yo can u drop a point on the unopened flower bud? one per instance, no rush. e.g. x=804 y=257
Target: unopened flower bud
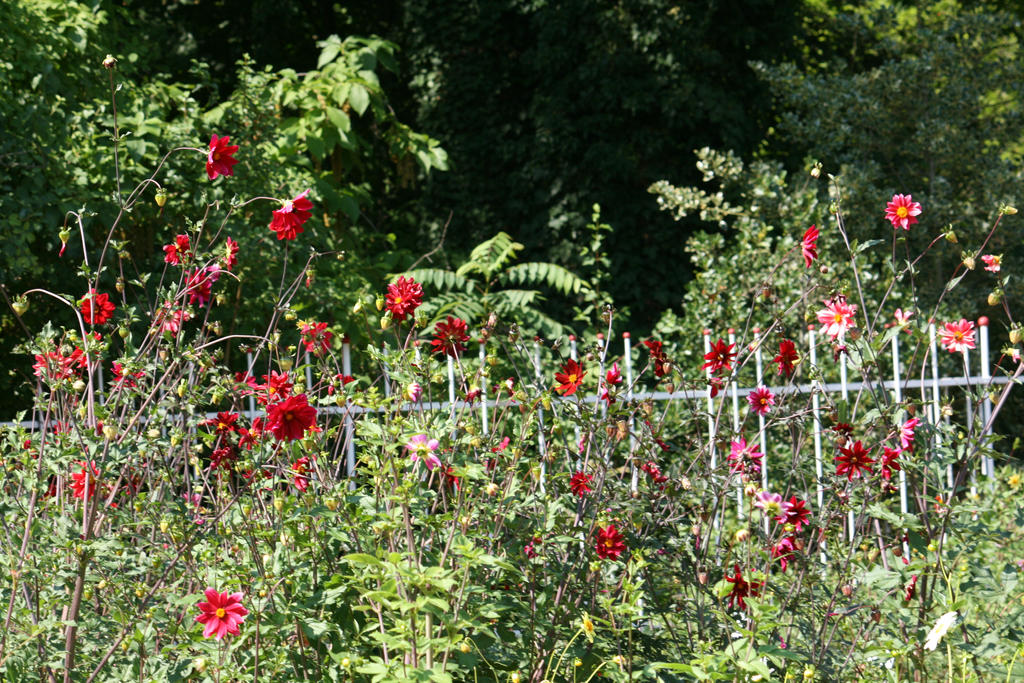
x=109 y=432
x=465 y=647
x=160 y=197
x=358 y=306
x=951 y=236
x=78 y=386
x=385 y=321
x=1016 y=334
x=413 y=392
x=20 y=305
x=702 y=578
x=1009 y=210
x=199 y=665
x=968 y=261
x=816 y=170
x=847 y=590
x=750 y=490
x=741 y=535
x=995 y=297
x=380 y=303
x=491 y=489
x=109 y=62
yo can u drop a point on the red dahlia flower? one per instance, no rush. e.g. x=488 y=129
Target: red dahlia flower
x=230 y=254
x=404 y=297
x=796 y=513
x=289 y=419
x=742 y=588
x=300 y=468
x=221 y=613
x=85 y=483
x=570 y=378
x=852 y=460
x=890 y=462
x=219 y=160
x=200 y=284
x=173 y=253
x=316 y=337
x=580 y=484
x=761 y=400
x=658 y=357
x=609 y=543
x=96 y=308
x=287 y=221
x=450 y=337
x=719 y=358
x=787 y=358
x=809 y=246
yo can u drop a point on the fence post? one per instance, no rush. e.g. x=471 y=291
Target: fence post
x=350 y=427
x=988 y=464
x=816 y=411
x=851 y=520
x=936 y=400
x=761 y=430
x=252 y=396
x=628 y=361
x=573 y=355
x=734 y=390
x=541 y=444
x=483 y=386
x=898 y=397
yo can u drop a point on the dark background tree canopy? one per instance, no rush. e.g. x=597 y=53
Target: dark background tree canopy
x=544 y=109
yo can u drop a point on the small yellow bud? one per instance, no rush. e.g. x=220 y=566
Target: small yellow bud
x=385 y=322
x=78 y=386
x=109 y=432
x=1009 y=210
x=491 y=489
x=345 y=662
x=164 y=526
x=199 y=664
x=20 y=305
x=357 y=307
x=968 y=261
x=109 y=62
x=465 y=647
x=331 y=504
x=278 y=503
x=161 y=197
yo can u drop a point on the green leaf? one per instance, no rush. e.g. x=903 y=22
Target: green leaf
x=359 y=98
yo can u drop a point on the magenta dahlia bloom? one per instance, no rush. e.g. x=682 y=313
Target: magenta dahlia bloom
x=902 y=211
x=221 y=613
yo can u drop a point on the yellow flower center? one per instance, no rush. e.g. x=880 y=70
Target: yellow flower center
x=838 y=317
x=398 y=299
x=216 y=156
x=609 y=543
x=571 y=379
x=902 y=212
x=221 y=613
